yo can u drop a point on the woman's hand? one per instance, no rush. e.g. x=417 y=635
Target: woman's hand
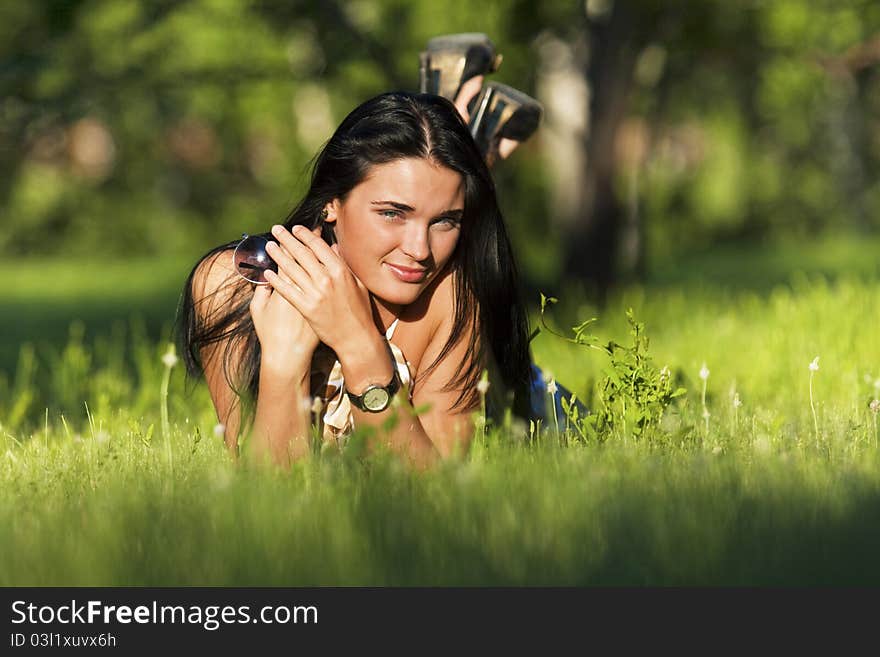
x=318 y=283
x=286 y=338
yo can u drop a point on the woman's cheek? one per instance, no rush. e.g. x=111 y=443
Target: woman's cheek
x=448 y=247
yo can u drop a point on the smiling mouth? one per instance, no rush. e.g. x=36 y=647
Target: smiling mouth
x=407 y=274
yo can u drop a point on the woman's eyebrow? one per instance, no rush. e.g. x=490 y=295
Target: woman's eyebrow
x=408 y=208
x=394 y=204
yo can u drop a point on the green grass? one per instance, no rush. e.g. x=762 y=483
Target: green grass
x=40 y=298
x=93 y=513
x=757 y=498
x=761 y=267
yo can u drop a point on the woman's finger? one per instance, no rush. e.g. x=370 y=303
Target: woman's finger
x=319 y=248
x=363 y=288
x=289 y=269
x=261 y=297
x=291 y=292
x=297 y=248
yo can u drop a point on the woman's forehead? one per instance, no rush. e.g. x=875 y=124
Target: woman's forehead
x=413 y=181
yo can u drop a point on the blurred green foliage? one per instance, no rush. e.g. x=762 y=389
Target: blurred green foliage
x=135 y=127
x=769 y=125
x=145 y=127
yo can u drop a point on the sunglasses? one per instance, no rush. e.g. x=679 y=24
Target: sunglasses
x=250 y=259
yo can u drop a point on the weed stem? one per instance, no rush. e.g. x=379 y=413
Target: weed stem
x=166 y=431
x=813 y=408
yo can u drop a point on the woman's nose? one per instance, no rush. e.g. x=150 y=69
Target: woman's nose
x=416 y=243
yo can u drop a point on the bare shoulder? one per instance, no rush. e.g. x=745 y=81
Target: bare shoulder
x=215 y=284
x=211 y=274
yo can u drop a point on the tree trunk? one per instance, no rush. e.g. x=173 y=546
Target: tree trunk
x=594 y=240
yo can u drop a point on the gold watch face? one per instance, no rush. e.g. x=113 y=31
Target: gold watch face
x=376 y=399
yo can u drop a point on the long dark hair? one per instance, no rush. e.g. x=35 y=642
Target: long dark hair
x=386 y=128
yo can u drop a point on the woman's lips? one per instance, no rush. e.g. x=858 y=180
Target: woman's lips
x=407 y=274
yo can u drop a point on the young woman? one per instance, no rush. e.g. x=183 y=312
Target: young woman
x=395 y=283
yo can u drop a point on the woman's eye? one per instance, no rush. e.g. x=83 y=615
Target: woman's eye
x=391 y=215
x=447 y=223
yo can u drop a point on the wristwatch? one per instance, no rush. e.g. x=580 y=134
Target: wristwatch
x=376 y=398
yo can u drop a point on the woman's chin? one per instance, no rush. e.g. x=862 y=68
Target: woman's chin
x=398 y=297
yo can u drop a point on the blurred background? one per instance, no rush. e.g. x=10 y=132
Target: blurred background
x=681 y=141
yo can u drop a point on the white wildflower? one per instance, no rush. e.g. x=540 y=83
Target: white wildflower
x=814 y=367
x=704 y=372
x=169 y=358
x=706 y=413
x=551 y=386
x=875 y=406
x=219 y=430
x=317 y=405
x=483 y=386
x=737 y=402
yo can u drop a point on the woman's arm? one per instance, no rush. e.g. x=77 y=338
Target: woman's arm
x=370 y=363
x=438 y=432
x=281 y=428
x=281 y=425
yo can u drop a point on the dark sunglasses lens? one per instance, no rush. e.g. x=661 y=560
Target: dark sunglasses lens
x=251 y=260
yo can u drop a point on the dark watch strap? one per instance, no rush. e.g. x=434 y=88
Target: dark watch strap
x=391 y=388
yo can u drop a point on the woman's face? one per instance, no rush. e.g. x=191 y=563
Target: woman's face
x=397 y=229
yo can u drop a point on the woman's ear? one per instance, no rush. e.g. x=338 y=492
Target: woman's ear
x=330 y=212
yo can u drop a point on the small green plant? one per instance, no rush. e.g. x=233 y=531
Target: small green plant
x=634 y=393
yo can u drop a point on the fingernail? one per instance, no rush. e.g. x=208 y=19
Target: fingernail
x=276 y=229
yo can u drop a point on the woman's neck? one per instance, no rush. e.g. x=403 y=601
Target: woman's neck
x=384 y=313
